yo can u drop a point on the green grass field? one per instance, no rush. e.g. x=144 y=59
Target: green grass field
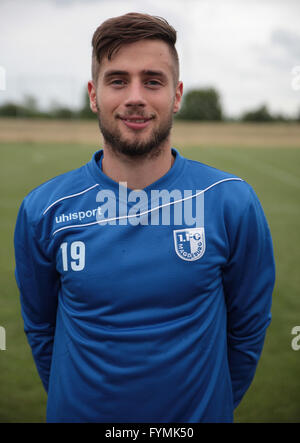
x=274 y=395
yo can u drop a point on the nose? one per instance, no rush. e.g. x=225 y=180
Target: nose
x=135 y=95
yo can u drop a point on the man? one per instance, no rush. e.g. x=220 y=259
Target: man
x=145 y=278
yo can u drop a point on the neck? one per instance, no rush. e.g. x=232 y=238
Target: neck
x=138 y=173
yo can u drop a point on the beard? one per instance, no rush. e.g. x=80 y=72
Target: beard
x=139 y=148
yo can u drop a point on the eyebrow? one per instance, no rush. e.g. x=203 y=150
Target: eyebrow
x=147 y=72
x=154 y=73
x=112 y=73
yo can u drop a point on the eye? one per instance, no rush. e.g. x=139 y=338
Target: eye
x=117 y=82
x=153 y=83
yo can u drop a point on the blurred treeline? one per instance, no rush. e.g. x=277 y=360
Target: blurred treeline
x=197 y=105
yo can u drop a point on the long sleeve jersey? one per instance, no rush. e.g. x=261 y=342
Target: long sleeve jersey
x=144 y=306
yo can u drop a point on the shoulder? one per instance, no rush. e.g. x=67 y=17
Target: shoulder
x=208 y=173
x=41 y=198
x=210 y=178
x=231 y=199
x=220 y=187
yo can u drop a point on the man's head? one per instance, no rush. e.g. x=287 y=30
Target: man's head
x=135 y=89
x=129 y=28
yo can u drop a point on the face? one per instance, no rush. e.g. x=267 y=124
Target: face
x=135 y=98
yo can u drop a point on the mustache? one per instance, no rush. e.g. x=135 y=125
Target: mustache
x=135 y=113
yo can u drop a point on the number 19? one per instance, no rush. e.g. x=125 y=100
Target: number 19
x=77 y=252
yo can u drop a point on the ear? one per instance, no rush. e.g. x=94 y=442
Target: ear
x=178 y=97
x=93 y=96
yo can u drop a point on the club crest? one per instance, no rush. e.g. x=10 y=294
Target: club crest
x=189 y=243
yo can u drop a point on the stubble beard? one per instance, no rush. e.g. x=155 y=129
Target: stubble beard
x=136 y=149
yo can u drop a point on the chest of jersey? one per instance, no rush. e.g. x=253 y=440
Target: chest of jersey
x=133 y=275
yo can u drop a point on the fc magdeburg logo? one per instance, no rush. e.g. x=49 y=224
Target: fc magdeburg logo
x=189 y=243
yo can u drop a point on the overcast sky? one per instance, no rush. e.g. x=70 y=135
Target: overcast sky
x=248 y=49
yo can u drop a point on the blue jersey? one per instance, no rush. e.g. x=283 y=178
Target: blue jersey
x=144 y=306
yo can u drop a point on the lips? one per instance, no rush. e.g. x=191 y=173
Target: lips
x=136 y=122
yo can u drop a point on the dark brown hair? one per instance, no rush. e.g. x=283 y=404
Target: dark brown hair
x=130 y=28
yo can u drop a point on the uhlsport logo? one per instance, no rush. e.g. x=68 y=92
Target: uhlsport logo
x=189 y=243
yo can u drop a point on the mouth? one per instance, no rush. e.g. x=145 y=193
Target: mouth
x=136 y=122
